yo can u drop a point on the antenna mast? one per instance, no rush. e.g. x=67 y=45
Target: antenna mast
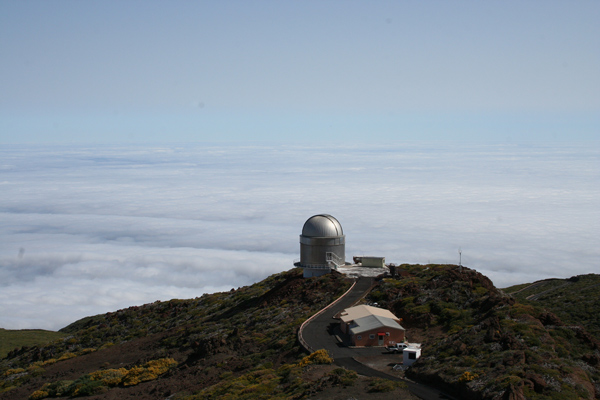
x=459 y=260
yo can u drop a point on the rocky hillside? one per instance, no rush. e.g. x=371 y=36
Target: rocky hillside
x=241 y=343
x=175 y=347
x=479 y=342
x=482 y=343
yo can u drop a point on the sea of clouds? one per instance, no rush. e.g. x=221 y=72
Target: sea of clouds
x=91 y=229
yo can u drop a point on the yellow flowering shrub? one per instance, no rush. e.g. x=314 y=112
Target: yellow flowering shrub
x=137 y=375
x=109 y=377
x=467 y=376
x=66 y=356
x=38 y=394
x=318 y=357
x=14 y=371
x=150 y=371
x=161 y=366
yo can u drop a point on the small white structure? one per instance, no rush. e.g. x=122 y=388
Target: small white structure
x=369 y=262
x=411 y=354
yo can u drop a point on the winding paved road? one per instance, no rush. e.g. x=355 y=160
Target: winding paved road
x=319 y=334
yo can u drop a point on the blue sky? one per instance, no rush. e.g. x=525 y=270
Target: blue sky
x=310 y=71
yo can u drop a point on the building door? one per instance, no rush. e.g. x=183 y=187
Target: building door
x=381 y=336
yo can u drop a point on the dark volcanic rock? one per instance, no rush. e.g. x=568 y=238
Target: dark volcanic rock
x=548 y=318
x=537 y=382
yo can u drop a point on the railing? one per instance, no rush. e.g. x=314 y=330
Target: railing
x=301 y=339
x=316 y=266
x=334 y=259
x=312 y=266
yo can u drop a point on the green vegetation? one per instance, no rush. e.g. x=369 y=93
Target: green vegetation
x=574 y=301
x=343 y=377
x=267 y=383
x=12 y=339
x=384 y=386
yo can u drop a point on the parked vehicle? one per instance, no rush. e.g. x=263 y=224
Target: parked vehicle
x=396 y=348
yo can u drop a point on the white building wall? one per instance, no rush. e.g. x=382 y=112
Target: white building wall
x=410 y=355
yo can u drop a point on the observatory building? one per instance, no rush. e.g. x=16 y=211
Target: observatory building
x=322 y=245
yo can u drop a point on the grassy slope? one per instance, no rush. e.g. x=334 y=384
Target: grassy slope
x=11 y=339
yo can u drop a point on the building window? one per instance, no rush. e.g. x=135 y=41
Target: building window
x=412 y=356
x=359 y=337
x=371 y=336
x=387 y=334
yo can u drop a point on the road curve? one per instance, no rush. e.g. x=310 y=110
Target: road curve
x=317 y=334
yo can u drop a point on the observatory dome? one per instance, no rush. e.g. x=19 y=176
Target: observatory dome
x=322 y=225
x=322 y=245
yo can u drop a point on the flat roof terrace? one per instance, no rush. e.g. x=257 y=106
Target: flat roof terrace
x=356 y=271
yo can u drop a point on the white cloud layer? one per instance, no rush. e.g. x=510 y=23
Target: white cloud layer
x=87 y=230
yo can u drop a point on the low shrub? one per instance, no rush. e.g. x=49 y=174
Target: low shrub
x=13 y=371
x=468 y=376
x=109 y=377
x=84 y=386
x=385 y=386
x=342 y=376
x=38 y=394
x=66 y=356
x=318 y=357
x=99 y=381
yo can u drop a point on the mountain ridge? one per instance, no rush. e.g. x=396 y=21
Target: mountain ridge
x=479 y=342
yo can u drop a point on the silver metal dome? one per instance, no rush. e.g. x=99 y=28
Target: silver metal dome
x=322 y=245
x=322 y=225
